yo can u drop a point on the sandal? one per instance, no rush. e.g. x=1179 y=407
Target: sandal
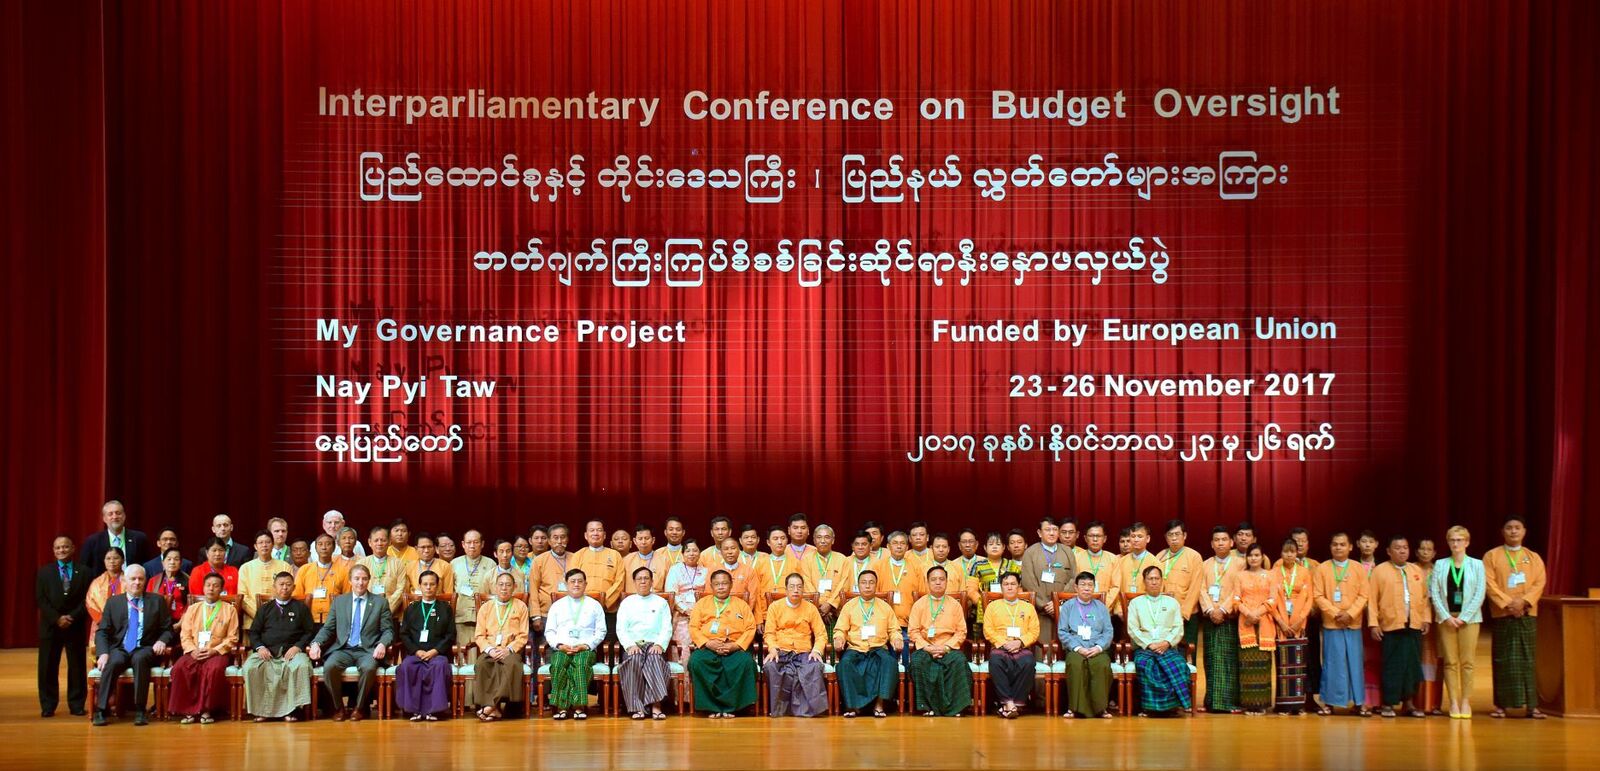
x=1363 y=712
x=1387 y=712
x=1417 y=713
x=658 y=715
x=1535 y=714
x=207 y=720
x=1106 y=715
x=1070 y=715
x=636 y=716
x=879 y=713
x=1497 y=713
x=850 y=713
x=263 y=720
x=416 y=718
x=187 y=720
x=431 y=718
x=580 y=715
x=289 y=719
x=714 y=716
x=562 y=715
x=1324 y=710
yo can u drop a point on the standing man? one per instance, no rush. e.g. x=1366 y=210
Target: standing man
x=257 y=575
x=400 y=541
x=549 y=577
x=901 y=577
x=1126 y=583
x=675 y=532
x=59 y=591
x=826 y=569
x=602 y=571
x=473 y=572
x=721 y=530
x=358 y=634
x=646 y=555
x=1219 y=625
x=428 y=559
x=168 y=539
x=318 y=582
x=386 y=574
x=799 y=536
x=1243 y=536
x=235 y=554
x=1515 y=580
x=1180 y=568
x=135 y=545
x=1340 y=588
x=279 y=528
x=1047 y=568
x=332 y=523
x=135 y=630
x=1399 y=615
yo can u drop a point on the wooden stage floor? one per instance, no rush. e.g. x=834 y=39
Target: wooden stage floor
x=1206 y=741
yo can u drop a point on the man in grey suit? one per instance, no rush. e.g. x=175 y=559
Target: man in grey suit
x=357 y=633
x=1047 y=568
x=135 y=629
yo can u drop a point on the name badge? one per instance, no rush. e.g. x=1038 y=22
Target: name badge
x=868 y=631
x=896 y=599
x=1085 y=632
x=994 y=587
x=1455 y=597
x=1014 y=631
x=499 y=640
x=1516 y=579
x=377 y=589
x=716 y=627
x=1047 y=577
x=203 y=639
x=1216 y=592
x=1338 y=596
x=562 y=587
x=825 y=585
x=423 y=637
x=1288 y=607
x=320 y=593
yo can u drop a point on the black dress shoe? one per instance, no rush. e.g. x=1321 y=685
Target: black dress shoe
x=139 y=719
x=80 y=712
x=47 y=713
x=100 y=718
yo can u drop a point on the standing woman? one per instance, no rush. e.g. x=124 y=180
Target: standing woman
x=422 y=682
x=502 y=634
x=521 y=559
x=986 y=571
x=1292 y=586
x=685 y=583
x=1256 y=602
x=644 y=627
x=1457 y=589
x=1011 y=627
x=575 y=628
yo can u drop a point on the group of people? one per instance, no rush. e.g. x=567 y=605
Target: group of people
x=1254 y=631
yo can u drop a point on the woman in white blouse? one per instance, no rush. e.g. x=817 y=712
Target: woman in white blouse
x=686 y=581
x=574 y=628
x=644 y=627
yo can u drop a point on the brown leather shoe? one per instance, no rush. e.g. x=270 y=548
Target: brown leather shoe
x=341 y=715
x=356 y=716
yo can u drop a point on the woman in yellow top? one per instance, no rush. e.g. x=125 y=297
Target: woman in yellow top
x=1011 y=627
x=722 y=626
x=986 y=571
x=210 y=632
x=1256 y=602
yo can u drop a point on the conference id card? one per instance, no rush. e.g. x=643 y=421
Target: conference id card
x=1516 y=579
x=203 y=639
x=499 y=640
x=1288 y=607
x=1455 y=597
x=1216 y=593
x=1338 y=596
x=1047 y=577
x=562 y=587
x=716 y=627
x=1014 y=631
x=423 y=637
x=869 y=631
x=995 y=587
x=377 y=589
x=896 y=599
x=1085 y=632
x=825 y=585
x=319 y=593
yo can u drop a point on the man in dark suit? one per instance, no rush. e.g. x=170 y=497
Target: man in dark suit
x=135 y=545
x=63 y=628
x=357 y=633
x=168 y=539
x=135 y=629
x=238 y=553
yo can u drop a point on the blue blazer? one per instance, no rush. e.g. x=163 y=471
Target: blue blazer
x=1473 y=587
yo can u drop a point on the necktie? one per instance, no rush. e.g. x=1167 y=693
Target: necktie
x=66 y=576
x=130 y=640
x=355 y=623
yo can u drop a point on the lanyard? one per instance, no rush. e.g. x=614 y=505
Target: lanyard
x=902 y=574
x=1511 y=559
x=858 y=566
x=935 y=610
x=1011 y=610
x=1458 y=573
x=1288 y=584
x=1339 y=575
x=211 y=618
x=1218 y=568
x=1172 y=559
x=502 y=614
x=866 y=610
x=324 y=578
x=427 y=611
x=822 y=567
x=776 y=567
x=1083 y=611
x=721 y=605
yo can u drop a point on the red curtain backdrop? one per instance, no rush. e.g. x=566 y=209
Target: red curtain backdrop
x=172 y=223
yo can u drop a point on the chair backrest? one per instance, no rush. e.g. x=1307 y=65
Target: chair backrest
x=989 y=597
x=810 y=597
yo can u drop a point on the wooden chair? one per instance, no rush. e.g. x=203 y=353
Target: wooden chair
x=908 y=684
x=160 y=684
x=604 y=678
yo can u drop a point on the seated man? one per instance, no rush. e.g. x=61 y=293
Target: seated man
x=721 y=627
x=796 y=638
x=1155 y=625
x=422 y=683
x=277 y=675
x=502 y=629
x=358 y=633
x=210 y=632
x=938 y=668
x=644 y=627
x=867 y=672
x=1012 y=627
x=135 y=629
x=1084 y=630
x=575 y=628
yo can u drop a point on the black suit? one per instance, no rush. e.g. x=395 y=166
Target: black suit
x=95 y=546
x=238 y=554
x=278 y=632
x=57 y=598
x=157 y=627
